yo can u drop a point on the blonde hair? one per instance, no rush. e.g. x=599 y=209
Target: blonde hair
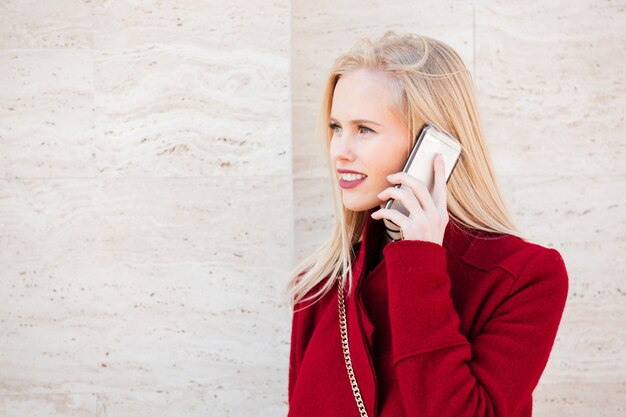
x=431 y=84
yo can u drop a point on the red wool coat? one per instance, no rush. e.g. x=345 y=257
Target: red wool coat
x=463 y=329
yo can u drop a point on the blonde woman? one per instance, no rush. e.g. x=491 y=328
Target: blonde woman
x=457 y=314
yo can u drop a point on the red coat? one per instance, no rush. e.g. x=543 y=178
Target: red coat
x=463 y=329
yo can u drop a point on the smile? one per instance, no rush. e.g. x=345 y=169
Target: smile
x=351 y=180
x=351 y=177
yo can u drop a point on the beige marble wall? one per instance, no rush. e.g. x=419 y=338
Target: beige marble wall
x=551 y=87
x=145 y=208
x=159 y=179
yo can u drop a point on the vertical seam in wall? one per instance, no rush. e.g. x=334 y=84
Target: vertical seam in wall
x=291 y=130
x=474 y=40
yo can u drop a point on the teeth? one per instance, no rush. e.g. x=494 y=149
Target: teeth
x=351 y=177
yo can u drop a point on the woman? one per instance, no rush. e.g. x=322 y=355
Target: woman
x=455 y=317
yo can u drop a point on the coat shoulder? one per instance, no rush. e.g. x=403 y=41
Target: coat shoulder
x=508 y=252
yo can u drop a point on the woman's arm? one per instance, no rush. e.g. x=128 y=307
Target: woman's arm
x=439 y=372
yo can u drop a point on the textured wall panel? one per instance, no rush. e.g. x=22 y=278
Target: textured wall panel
x=145 y=208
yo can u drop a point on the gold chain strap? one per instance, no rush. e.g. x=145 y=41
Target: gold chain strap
x=343 y=325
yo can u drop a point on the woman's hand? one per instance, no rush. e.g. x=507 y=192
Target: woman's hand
x=428 y=214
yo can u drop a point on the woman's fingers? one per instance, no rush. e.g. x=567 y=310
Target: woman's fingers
x=394 y=215
x=404 y=195
x=419 y=189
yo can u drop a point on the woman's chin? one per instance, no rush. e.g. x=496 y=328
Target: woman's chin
x=361 y=206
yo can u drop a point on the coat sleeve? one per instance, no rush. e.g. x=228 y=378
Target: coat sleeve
x=440 y=373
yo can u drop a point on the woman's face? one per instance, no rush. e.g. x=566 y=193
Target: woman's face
x=368 y=137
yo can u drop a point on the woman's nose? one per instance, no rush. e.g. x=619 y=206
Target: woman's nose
x=344 y=146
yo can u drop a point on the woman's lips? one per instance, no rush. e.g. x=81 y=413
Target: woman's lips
x=350 y=184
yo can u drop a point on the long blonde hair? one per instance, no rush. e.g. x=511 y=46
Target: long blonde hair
x=431 y=84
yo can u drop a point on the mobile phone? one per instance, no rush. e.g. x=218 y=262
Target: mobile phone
x=419 y=164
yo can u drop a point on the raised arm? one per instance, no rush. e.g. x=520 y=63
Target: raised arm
x=440 y=373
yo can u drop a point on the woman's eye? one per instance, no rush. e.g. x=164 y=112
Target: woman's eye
x=334 y=126
x=368 y=130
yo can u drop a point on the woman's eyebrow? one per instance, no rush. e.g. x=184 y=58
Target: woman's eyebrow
x=357 y=121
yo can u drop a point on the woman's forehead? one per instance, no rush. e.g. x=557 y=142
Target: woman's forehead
x=362 y=94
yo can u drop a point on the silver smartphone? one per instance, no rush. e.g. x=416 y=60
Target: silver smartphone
x=420 y=162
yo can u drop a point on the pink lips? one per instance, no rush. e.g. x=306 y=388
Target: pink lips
x=350 y=184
